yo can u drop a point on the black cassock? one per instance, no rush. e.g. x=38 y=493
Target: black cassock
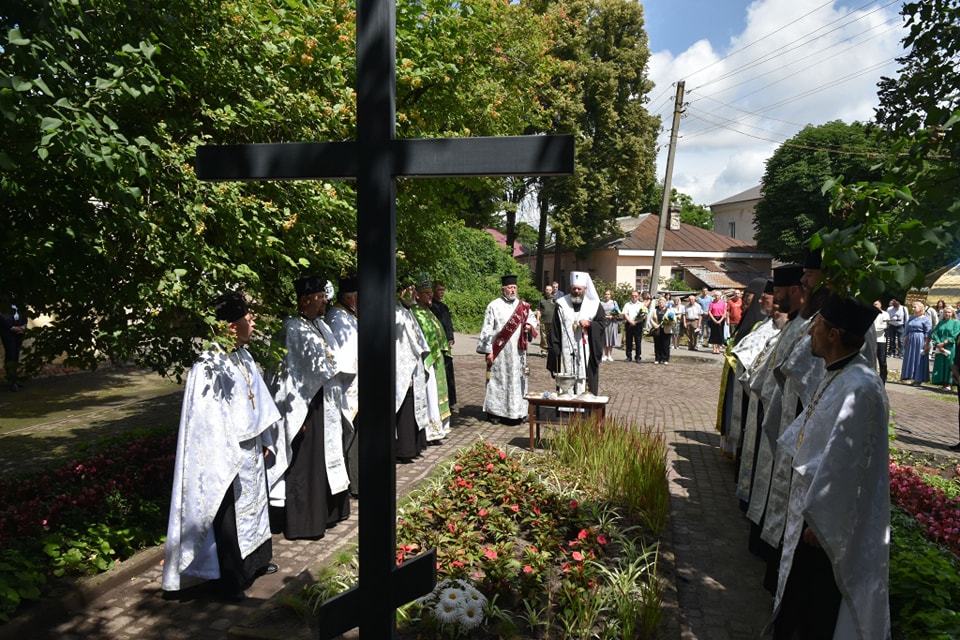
x=594 y=334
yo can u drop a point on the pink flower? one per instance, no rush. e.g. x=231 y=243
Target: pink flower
x=489 y=466
x=527 y=569
x=490 y=553
x=578 y=556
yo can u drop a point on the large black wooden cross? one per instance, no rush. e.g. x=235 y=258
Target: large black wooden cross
x=376 y=159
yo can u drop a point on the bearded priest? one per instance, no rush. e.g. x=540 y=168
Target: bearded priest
x=576 y=337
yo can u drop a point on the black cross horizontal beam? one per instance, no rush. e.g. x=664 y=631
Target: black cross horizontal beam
x=414 y=578
x=413 y=158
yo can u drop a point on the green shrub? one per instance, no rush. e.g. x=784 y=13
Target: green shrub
x=471 y=269
x=924 y=583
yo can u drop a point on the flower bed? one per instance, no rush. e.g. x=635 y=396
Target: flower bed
x=525 y=548
x=936 y=512
x=80 y=517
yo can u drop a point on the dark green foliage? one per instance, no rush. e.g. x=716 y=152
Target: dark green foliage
x=471 y=266
x=887 y=233
x=794 y=205
x=924 y=584
x=605 y=45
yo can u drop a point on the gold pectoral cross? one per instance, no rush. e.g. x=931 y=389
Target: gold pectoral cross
x=250 y=395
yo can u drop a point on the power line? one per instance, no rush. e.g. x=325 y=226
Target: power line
x=796 y=43
x=850 y=47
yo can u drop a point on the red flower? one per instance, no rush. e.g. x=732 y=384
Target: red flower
x=490 y=553
x=578 y=556
x=573 y=504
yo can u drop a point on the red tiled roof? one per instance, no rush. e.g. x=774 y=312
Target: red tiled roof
x=518 y=249
x=686 y=239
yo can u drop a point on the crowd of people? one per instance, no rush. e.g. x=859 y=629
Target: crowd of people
x=804 y=414
x=802 y=411
x=928 y=334
x=259 y=455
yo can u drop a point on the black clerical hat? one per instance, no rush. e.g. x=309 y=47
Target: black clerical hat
x=508 y=280
x=348 y=284
x=309 y=284
x=812 y=259
x=230 y=307
x=848 y=313
x=787 y=275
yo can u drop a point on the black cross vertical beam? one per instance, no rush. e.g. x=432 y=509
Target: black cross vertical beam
x=375 y=160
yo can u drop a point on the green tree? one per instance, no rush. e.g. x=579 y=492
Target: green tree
x=887 y=233
x=107 y=228
x=526 y=235
x=606 y=53
x=794 y=204
x=691 y=213
x=480 y=69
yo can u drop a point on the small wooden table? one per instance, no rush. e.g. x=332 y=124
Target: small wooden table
x=590 y=405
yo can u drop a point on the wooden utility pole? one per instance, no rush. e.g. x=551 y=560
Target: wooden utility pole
x=665 y=205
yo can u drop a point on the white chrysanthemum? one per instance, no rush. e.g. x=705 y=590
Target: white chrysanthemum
x=472 y=595
x=470 y=592
x=452 y=594
x=471 y=614
x=447 y=611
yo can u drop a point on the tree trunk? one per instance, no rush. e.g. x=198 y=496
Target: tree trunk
x=541 y=243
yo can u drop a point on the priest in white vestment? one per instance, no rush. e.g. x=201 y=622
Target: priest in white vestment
x=219 y=527
x=507 y=323
x=833 y=579
x=315 y=426
x=342 y=320
x=576 y=337
x=411 y=404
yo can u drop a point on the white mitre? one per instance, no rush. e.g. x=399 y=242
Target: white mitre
x=583 y=279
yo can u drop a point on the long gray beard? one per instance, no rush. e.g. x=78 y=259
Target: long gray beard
x=577 y=300
x=510 y=298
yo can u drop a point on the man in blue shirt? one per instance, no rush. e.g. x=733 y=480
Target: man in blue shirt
x=704 y=301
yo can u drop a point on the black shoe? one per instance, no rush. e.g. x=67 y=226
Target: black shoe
x=271 y=568
x=492 y=419
x=955 y=447
x=637 y=359
x=629 y=359
x=234 y=596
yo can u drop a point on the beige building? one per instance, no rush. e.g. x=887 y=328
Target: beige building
x=733 y=216
x=698 y=257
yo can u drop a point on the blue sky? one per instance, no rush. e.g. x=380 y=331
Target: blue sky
x=677 y=24
x=756 y=73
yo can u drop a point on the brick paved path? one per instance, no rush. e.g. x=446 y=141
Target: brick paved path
x=714 y=590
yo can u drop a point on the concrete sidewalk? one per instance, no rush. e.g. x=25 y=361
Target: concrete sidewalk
x=715 y=584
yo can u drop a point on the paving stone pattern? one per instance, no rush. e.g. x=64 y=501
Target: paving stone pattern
x=714 y=590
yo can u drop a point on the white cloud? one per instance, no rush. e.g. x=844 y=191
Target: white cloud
x=797 y=62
